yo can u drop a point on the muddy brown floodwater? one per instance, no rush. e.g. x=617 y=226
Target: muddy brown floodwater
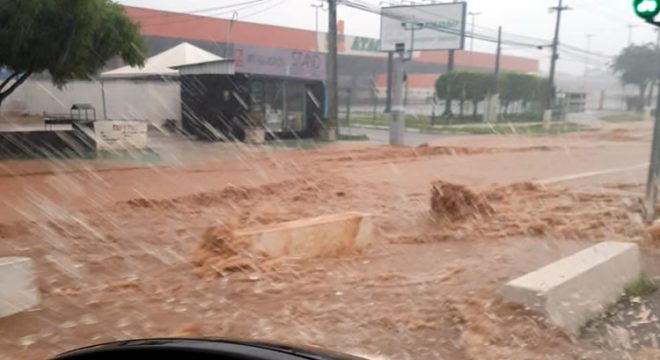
x=116 y=247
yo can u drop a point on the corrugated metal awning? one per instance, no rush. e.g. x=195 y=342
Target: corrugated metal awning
x=215 y=67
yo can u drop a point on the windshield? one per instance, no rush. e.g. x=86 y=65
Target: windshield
x=387 y=179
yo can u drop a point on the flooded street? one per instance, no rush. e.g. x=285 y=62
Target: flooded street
x=112 y=242
x=329 y=179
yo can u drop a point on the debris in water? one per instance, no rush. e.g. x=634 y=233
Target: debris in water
x=456 y=202
x=654 y=230
x=220 y=252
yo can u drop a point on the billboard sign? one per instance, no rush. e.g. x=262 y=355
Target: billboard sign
x=352 y=45
x=440 y=26
x=279 y=62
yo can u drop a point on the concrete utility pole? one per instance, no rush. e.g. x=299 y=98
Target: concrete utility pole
x=450 y=68
x=654 y=167
x=498 y=57
x=654 y=83
x=317 y=7
x=547 y=116
x=397 y=113
x=492 y=102
x=390 y=70
x=332 y=64
x=586 y=63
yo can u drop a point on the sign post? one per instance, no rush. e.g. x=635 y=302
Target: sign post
x=397 y=112
x=411 y=28
x=648 y=10
x=443 y=26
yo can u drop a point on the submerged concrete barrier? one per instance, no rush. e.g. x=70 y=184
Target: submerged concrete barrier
x=313 y=237
x=18 y=289
x=576 y=288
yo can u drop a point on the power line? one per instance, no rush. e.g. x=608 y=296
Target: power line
x=510 y=39
x=361 y=5
x=264 y=9
x=574 y=49
x=199 y=11
x=196 y=17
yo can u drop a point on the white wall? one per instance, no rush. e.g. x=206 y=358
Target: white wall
x=153 y=101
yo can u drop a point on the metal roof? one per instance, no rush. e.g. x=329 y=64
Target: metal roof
x=163 y=63
x=214 y=67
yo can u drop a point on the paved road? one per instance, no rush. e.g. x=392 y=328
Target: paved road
x=381 y=136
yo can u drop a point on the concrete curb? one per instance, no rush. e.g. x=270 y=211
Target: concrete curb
x=327 y=235
x=18 y=289
x=576 y=288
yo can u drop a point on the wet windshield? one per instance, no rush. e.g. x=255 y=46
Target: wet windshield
x=388 y=179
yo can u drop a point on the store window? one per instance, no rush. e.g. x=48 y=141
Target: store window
x=295 y=106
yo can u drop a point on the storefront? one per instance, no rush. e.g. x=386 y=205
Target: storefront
x=281 y=90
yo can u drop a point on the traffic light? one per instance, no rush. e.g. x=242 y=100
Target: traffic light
x=647 y=9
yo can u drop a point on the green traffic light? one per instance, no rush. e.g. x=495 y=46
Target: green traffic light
x=647 y=9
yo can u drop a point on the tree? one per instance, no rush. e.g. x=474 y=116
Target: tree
x=516 y=87
x=69 y=39
x=464 y=85
x=461 y=92
x=449 y=85
x=477 y=87
x=540 y=89
x=637 y=65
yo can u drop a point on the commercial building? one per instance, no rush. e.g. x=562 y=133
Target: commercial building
x=360 y=64
x=262 y=49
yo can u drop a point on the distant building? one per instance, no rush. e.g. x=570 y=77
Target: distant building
x=286 y=56
x=360 y=64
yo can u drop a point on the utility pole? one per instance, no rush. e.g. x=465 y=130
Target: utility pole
x=630 y=27
x=317 y=7
x=474 y=15
x=390 y=71
x=332 y=65
x=450 y=68
x=654 y=83
x=498 y=56
x=648 y=10
x=654 y=167
x=547 y=116
x=586 y=63
x=490 y=115
x=397 y=112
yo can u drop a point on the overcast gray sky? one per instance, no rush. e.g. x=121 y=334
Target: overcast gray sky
x=607 y=20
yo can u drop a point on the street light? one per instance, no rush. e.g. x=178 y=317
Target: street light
x=412 y=27
x=316 y=27
x=474 y=15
